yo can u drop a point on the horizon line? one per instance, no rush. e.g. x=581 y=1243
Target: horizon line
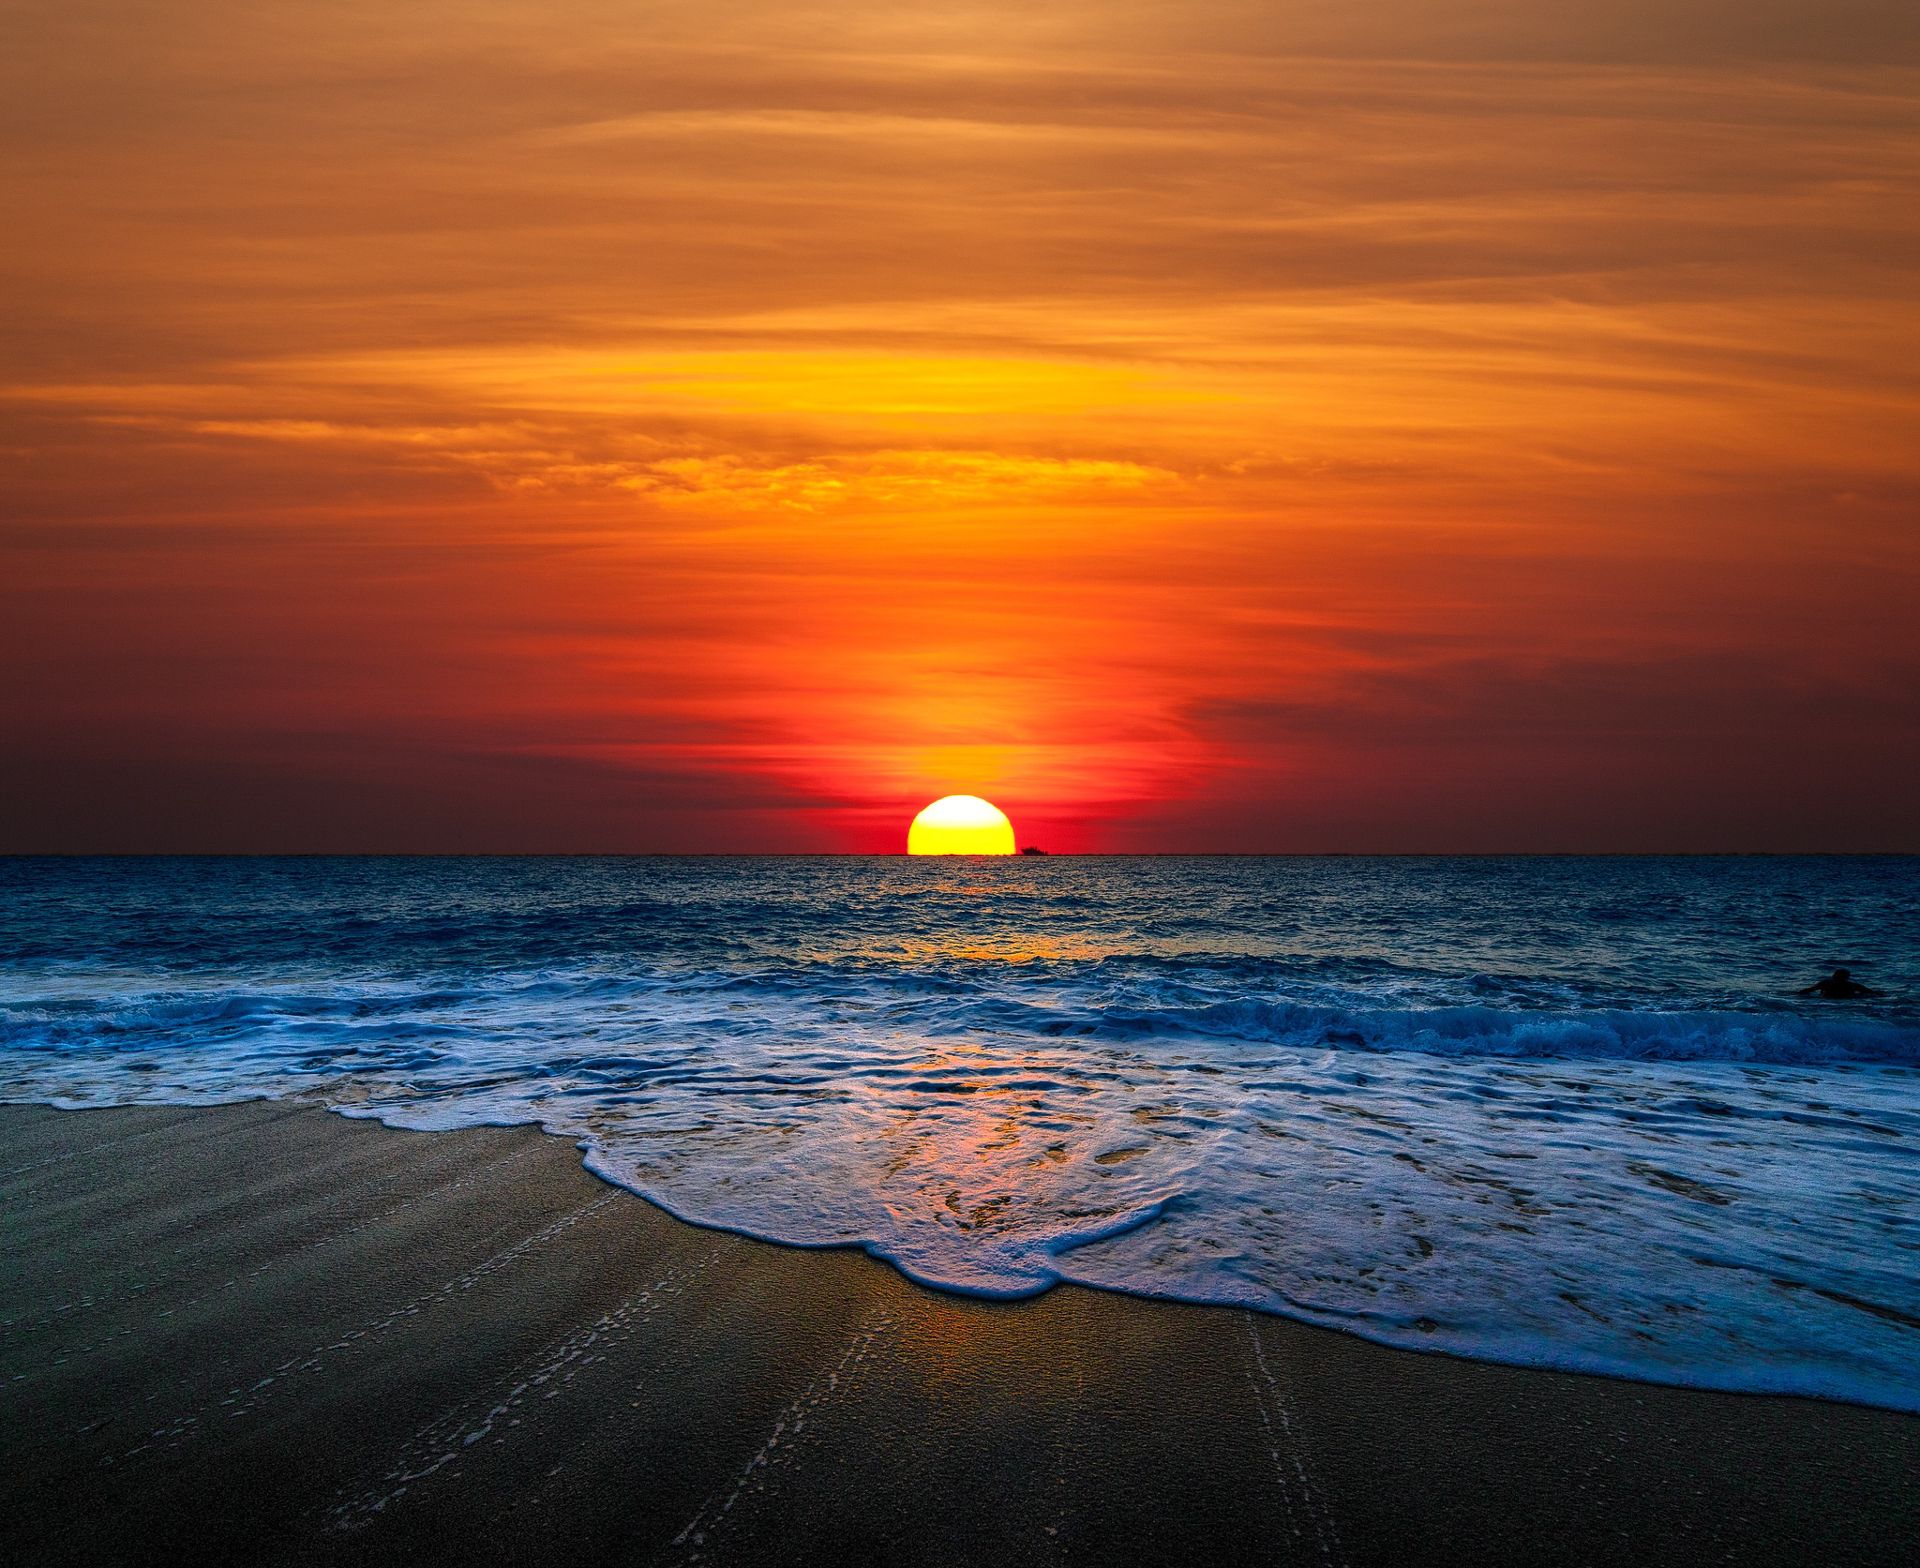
x=865 y=854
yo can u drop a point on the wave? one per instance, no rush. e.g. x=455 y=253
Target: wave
x=1590 y=1133
x=1776 y=1038
x=1098 y=1001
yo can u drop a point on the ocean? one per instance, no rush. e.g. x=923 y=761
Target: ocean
x=1562 y=1112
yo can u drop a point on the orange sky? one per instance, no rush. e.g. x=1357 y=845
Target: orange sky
x=1222 y=425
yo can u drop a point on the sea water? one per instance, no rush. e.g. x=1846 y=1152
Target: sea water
x=1562 y=1112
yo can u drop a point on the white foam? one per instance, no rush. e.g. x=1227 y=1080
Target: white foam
x=1714 y=1198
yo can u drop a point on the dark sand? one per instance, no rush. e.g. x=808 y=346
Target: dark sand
x=266 y=1333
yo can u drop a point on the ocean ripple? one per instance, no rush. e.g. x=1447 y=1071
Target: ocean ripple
x=1555 y=1112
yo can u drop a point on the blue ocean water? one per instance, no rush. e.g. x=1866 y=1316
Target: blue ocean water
x=1551 y=1111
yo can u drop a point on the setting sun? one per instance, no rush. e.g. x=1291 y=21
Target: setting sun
x=961 y=825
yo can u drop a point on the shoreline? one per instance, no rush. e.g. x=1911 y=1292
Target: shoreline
x=268 y=1332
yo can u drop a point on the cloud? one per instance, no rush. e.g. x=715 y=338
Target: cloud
x=1130 y=404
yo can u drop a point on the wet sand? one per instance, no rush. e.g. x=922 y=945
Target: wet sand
x=268 y=1334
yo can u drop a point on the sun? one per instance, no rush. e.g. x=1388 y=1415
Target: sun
x=961 y=825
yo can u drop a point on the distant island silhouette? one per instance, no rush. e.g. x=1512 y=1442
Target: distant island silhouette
x=1033 y=849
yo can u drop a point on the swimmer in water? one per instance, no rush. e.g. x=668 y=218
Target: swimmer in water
x=1840 y=986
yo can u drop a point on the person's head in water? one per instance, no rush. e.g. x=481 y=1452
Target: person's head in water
x=1840 y=986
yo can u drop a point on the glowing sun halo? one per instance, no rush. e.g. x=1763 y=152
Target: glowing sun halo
x=961 y=825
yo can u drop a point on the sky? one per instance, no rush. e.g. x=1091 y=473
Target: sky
x=1226 y=425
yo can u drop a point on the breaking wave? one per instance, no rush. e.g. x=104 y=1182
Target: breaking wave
x=1594 y=1131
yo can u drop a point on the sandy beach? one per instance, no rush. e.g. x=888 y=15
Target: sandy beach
x=266 y=1333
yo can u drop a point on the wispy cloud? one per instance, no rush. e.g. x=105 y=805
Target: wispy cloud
x=1177 y=419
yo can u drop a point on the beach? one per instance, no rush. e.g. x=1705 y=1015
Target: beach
x=268 y=1333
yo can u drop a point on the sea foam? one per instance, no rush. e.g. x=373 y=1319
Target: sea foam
x=1558 y=1113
